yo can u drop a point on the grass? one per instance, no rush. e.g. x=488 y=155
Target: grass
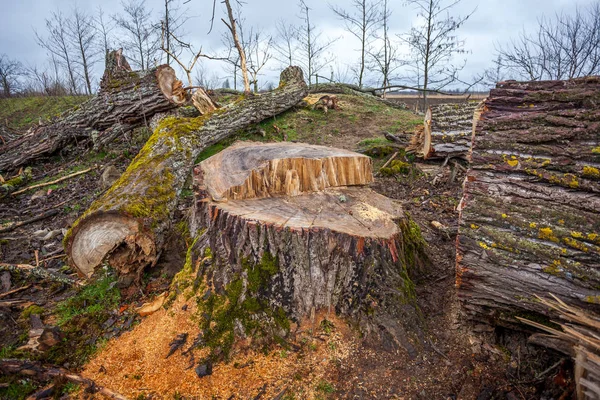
x=20 y=113
x=81 y=318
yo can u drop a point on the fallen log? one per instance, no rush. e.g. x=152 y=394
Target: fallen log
x=126 y=100
x=127 y=226
x=46 y=373
x=448 y=131
x=292 y=230
x=529 y=221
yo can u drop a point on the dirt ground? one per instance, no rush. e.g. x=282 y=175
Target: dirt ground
x=326 y=360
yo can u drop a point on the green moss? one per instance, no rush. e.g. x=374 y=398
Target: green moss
x=81 y=318
x=241 y=304
x=596 y=150
x=20 y=180
x=396 y=167
x=32 y=310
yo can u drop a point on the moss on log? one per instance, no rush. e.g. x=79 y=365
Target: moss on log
x=281 y=255
x=126 y=227
x=529 y=223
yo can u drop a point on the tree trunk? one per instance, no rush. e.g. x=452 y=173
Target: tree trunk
x=127 y=226
x=293 y=230
x=529 y=222
x=448 y=131
x=126 y=100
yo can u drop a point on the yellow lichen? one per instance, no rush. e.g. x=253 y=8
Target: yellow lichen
x=512 y=163
x=596 y=150
x=561 y=221
x=591 y=172
x=576 y=244
x=547 y=234
x=473 y=226
x=577 y=235
x=504 y=216
x=484 y=246
x=532 y=225
x=592 y=236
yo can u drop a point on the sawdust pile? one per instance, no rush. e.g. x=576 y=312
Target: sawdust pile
x=134 y=364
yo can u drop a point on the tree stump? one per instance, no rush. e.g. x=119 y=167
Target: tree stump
x=127 y=226
x=529 y=222
x=292 y=230
x=448 y=131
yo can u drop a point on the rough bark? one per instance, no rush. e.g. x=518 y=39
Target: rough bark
x=127 y=99
x=448 y=131
x=282 y=224
x=127 y=226
x=529 y=222
x=344 y=88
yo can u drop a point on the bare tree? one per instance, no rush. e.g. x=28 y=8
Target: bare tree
x=285 y=43
x=104 y=26
x=434 y=44
x=383 y=54
x=10 y=71
x=173 y=20
x=361 y=22
x=82 y=35
x=177 y=57
x=232 y=26
x=311 y=45
x=564 y=47
x=259 y=54
x=58 y=45
x=142 y=40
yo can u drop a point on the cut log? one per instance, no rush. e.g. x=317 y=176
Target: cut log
x=284 y=229
x=127 y=99
x=448 y=131
x=127 y=226
x=529 y=222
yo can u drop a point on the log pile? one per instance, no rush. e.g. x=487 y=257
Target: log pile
x=447 y=131
x=529 y=222
x=293 y=229
x=126 y=100
x=127 y=226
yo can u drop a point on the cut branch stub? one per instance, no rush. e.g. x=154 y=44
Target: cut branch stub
x=127 y=226
x=448 y=131
x=529 y=223
x=248 y=170
x=282 y=212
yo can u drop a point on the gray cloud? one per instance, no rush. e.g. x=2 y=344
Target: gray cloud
x=494 y=22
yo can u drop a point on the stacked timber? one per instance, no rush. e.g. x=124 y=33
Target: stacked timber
x=295 y=227
x=530 y=221
x=447 y=131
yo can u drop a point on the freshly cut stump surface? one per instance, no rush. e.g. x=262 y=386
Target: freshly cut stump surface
x=280 y=219
x=249 y=170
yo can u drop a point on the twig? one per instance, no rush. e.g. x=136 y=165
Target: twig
x=40 y=273
x=64 y=178
x=17 y=290
x=387 y=163
x=45 y=215
x=11 y=303
x=33 y=368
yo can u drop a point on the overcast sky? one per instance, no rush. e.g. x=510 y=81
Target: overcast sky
x=494 y=22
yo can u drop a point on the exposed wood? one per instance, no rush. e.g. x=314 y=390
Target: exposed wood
x=343 y=88
x=128 y=224
x=448 y=131
x=203 y=102
x=249 y=170
x=327 y=102
x=529 y=222
x=40 y=217
x=286 y=208
x=127 y=99
x=64 y=178
x=49 y=372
